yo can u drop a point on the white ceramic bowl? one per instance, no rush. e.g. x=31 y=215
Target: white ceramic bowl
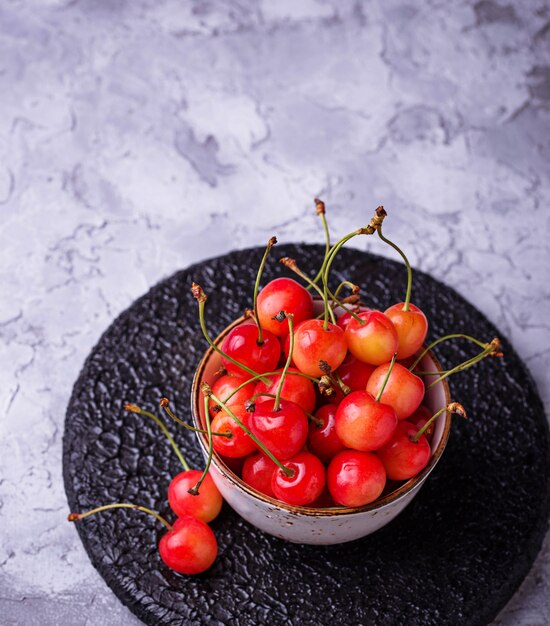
x=303 y=524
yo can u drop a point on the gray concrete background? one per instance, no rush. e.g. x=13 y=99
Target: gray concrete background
x=139 y=137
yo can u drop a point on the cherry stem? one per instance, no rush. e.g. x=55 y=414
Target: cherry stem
x=345 y=389
x=290 y=318
x=445 y=338
x=134 y=408
x=453 y=407
x=320 y=207
x=75 y=517
x=409 y=270
x=386 y=378
x=374 y=224
x=340 y=303
x=194 y=491
x=292 y=265
x=491 y=349
x=207 y=391
x=270 y=245
x=201 y=297
x=164 y=403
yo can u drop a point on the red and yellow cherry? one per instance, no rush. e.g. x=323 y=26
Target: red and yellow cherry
x=323 y=440
x=411 y=326
x=190 y=547
x=296 y=388
x=374 y=339
x=306 y=483
x=242 y=345
x=404 y=390
x=283 y=432
x=257 y=473
x=283 y=294
x=355 y=478
x=313 y=344
x=204 y=506
x=403 y=457
x=225 y=385
x=239 y=444
x=364 y=424
x=354 y=373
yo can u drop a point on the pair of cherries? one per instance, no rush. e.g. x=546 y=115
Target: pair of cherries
x=189 y=546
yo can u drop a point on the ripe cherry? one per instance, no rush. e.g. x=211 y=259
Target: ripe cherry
x=306 y=483
x=239 y=443
x=403 y=391
x=313 y=344
x=296 y=388
x=224 y=386
x=257 y=472
x=204 y=506
x=420 y=417
x=355 y=478
x=190 y=547
x=322 y=439
x=374 y=339
x=354 y=373
x=241 y=344
x=403 y=457
x=283 y=431
x=364 y=424
x=283 y=294
x=344 y=319
x=411 y=326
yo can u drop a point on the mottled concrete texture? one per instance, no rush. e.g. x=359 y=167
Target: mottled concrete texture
x=137 y=137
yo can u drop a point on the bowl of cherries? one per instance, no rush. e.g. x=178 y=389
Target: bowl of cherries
x=320 y=418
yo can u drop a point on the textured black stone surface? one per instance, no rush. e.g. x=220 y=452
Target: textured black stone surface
x=454 y=556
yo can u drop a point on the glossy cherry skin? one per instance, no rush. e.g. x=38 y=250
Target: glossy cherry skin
x=375 y=340
x=257 y=472
x=283 y=294
x=296 y=388
x=205 y=506
x=242 y=345
x=403 y=391
x=312 y=343
x=283 y=432
x=190 y=547
x=225 y=385
x=307 y=483
x=355 y=478
x=402 y=457
x=344 y=319
x=354 y=373
x=240 y=443
x=411 y=327
x=323 y=440
x=364 y=424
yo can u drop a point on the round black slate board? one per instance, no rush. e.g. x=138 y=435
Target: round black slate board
x=454 y=556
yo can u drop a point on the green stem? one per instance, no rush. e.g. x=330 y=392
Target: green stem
x=409 y=270
x=75 y=517
x=386 y=378
x=134 y=408
x=290 y=318
x=320 y=205
x=286 y=470
x=194 y=491
x=170 y=413
x=462 y=366
x=424 y=428
x=270 y=245
x=438 y=341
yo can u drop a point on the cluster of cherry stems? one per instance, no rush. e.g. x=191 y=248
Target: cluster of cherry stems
x=317 y=411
